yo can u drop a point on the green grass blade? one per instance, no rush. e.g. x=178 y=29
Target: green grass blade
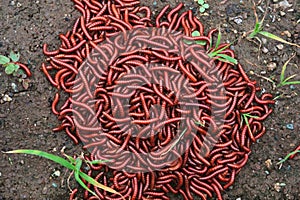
x=218 y=40
x=274 y=37
x=283 y=71
x=289 y=78
x=229 y=59
x=282 y=74
x=71 y=159
x=257 y=28
x=174 y=143
x=287 y=156
x=76 y=174
x=251 y=116
x=43 y=154
x=99 y=185
x=96 y=162
x=291 y=83
x=214 y=53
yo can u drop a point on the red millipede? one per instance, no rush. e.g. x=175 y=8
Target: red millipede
x=129 y=69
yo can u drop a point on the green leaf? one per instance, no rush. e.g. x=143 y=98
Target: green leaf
x=195 y=34
x=14 y=56
x=43 y=154
x=4 y=60
x=187 y=41
x=202 y=9
x=206 y=6
x=200 y=2
x=201 y=42
x=228 y=58
x=274 y=37
x=11 y=68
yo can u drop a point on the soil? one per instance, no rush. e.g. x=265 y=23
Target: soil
x=27 y=121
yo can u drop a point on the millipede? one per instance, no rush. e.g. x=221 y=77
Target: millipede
x=144 y=95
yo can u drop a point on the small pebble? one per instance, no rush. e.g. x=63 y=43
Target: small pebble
x=280 y=46
x=292 y=87
x=14 y=87
x=238 y=20
x=56 y=173
x=7 y=98
x=277 y=187
x=265 y=50
x=19 y=5
x=155 y=3
x=290 y=126
x=282 y=13
x=287 y=33
x=268 y=163
x=285 y=4
x=264 y=40
x=271 y=66
x=45 y=190
x=263 y=72
x=239 y=198
x=267 y=172
x=54 y=185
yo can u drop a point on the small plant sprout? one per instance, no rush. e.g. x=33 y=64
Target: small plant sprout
x=191 y=41
x=197 y=34
x=10 y=63
x=203 y=6
x=245 y=117
x=258 y=29
x=74 y=165
x=288 y=156
x=286 y=81
x=217 y=53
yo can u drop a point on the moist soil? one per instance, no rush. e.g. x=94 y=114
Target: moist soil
x=27 y=121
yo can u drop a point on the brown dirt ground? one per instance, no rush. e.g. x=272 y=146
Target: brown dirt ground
x=26 y=121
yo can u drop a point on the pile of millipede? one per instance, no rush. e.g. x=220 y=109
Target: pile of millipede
x=176 y=95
